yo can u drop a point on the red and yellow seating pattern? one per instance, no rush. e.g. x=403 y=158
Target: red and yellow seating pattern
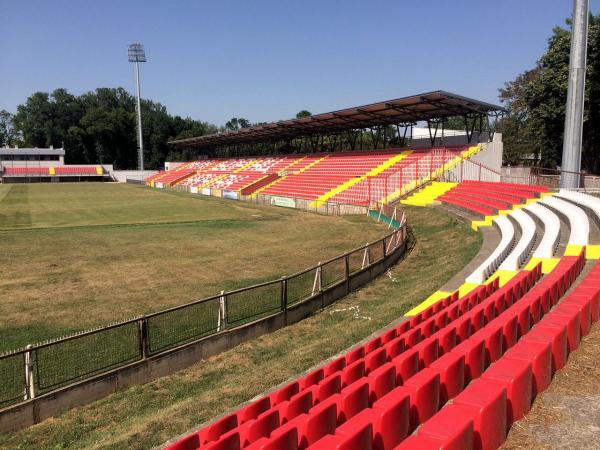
x=490 y=352
x=358 y=178
x=54 y=171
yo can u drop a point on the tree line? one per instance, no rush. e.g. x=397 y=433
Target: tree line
x=536 y=101
x=100 y=126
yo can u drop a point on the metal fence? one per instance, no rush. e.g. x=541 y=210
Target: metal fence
x=42 y=368
x=551 y=178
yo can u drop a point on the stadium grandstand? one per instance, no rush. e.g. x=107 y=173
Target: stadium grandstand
x=459 y=369
x=462 y=367
x=349 y=175
x=31 y=165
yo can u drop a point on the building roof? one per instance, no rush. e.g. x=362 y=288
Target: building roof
x=422 y=107
x=32 y=151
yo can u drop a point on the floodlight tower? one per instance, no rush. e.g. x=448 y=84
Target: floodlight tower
x=571 y=155
x=138 y=55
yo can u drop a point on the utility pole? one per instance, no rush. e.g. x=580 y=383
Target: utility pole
x=571 y=156
x=137 y=55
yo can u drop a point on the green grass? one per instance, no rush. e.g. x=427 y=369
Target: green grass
x=77 y=256
x=147 y=415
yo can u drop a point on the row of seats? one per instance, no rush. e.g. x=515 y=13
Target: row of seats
x=313 y=176
x=523 y=247
x=472 y=351
x=327 y=174
x=488 y=198
x=49 y=171
x=549 y=242
x=456 y=375
x=237 y=181
x=409 y=169
x=480 y=417
x=578 y=219
x=200 y=179
x=369 y=375
x=493 y=261
x=172 y=176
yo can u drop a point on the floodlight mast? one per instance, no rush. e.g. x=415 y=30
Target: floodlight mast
x=137 y=55
x=573 y=134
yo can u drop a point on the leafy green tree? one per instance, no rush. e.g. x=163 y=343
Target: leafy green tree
x=536 y=102
x=100 y=126
x=303 y=113
x=8 y=135
x=237 y=123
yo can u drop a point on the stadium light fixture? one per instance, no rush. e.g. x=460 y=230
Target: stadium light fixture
x=137 y=55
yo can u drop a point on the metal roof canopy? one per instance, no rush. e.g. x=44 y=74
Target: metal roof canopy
x=432 y=107
x=32 y=151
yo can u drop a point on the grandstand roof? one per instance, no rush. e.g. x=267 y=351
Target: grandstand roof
x=422 y=107
x=32 y=151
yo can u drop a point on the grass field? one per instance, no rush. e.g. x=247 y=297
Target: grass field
x=148 y=415
x=76 y=256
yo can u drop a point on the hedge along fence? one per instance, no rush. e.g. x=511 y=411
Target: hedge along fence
x=43 y=368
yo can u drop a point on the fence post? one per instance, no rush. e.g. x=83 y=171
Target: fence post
x=221 y=320
x=347 y=267
x=391 y=242
x=29 y=391
x=143 y=340
x=318 y=283
x=284 y=299
x=366 y=257
x=392 y=219
x=384 y=248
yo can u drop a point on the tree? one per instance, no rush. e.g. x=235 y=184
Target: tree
x=303 y=113
x=235 y=124
x=8 y=135
x=100 y=126
x=536 y=102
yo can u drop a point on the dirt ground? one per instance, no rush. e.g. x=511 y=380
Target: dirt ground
x=567 y=414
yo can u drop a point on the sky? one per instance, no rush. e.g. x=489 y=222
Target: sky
x=266 y=60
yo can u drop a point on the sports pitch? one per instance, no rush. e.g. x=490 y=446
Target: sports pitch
x=77 y=256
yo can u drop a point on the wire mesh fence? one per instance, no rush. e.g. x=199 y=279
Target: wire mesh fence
x=66 y=361
x=356 y=260
x=301 y=286
x=246 y=305
x=12 y=378
x=178 y=326
x=76 y=358
x=376 y=251
x=333 y=271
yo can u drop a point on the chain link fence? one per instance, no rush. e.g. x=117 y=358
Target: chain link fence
x=79 y=357
x=249 y=304
x=49 y=366
x=12 y=378
x=183 y=324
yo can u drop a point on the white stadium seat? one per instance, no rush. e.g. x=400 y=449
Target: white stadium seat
x=489 y=266
x=518 y=255
x=551 y=235
x=578 y=219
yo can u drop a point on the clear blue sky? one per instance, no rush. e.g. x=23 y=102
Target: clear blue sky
x=266 y=60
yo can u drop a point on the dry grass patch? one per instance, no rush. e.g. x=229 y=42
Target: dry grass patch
x=81 y=255
x=147 y=415
x=567 y=414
